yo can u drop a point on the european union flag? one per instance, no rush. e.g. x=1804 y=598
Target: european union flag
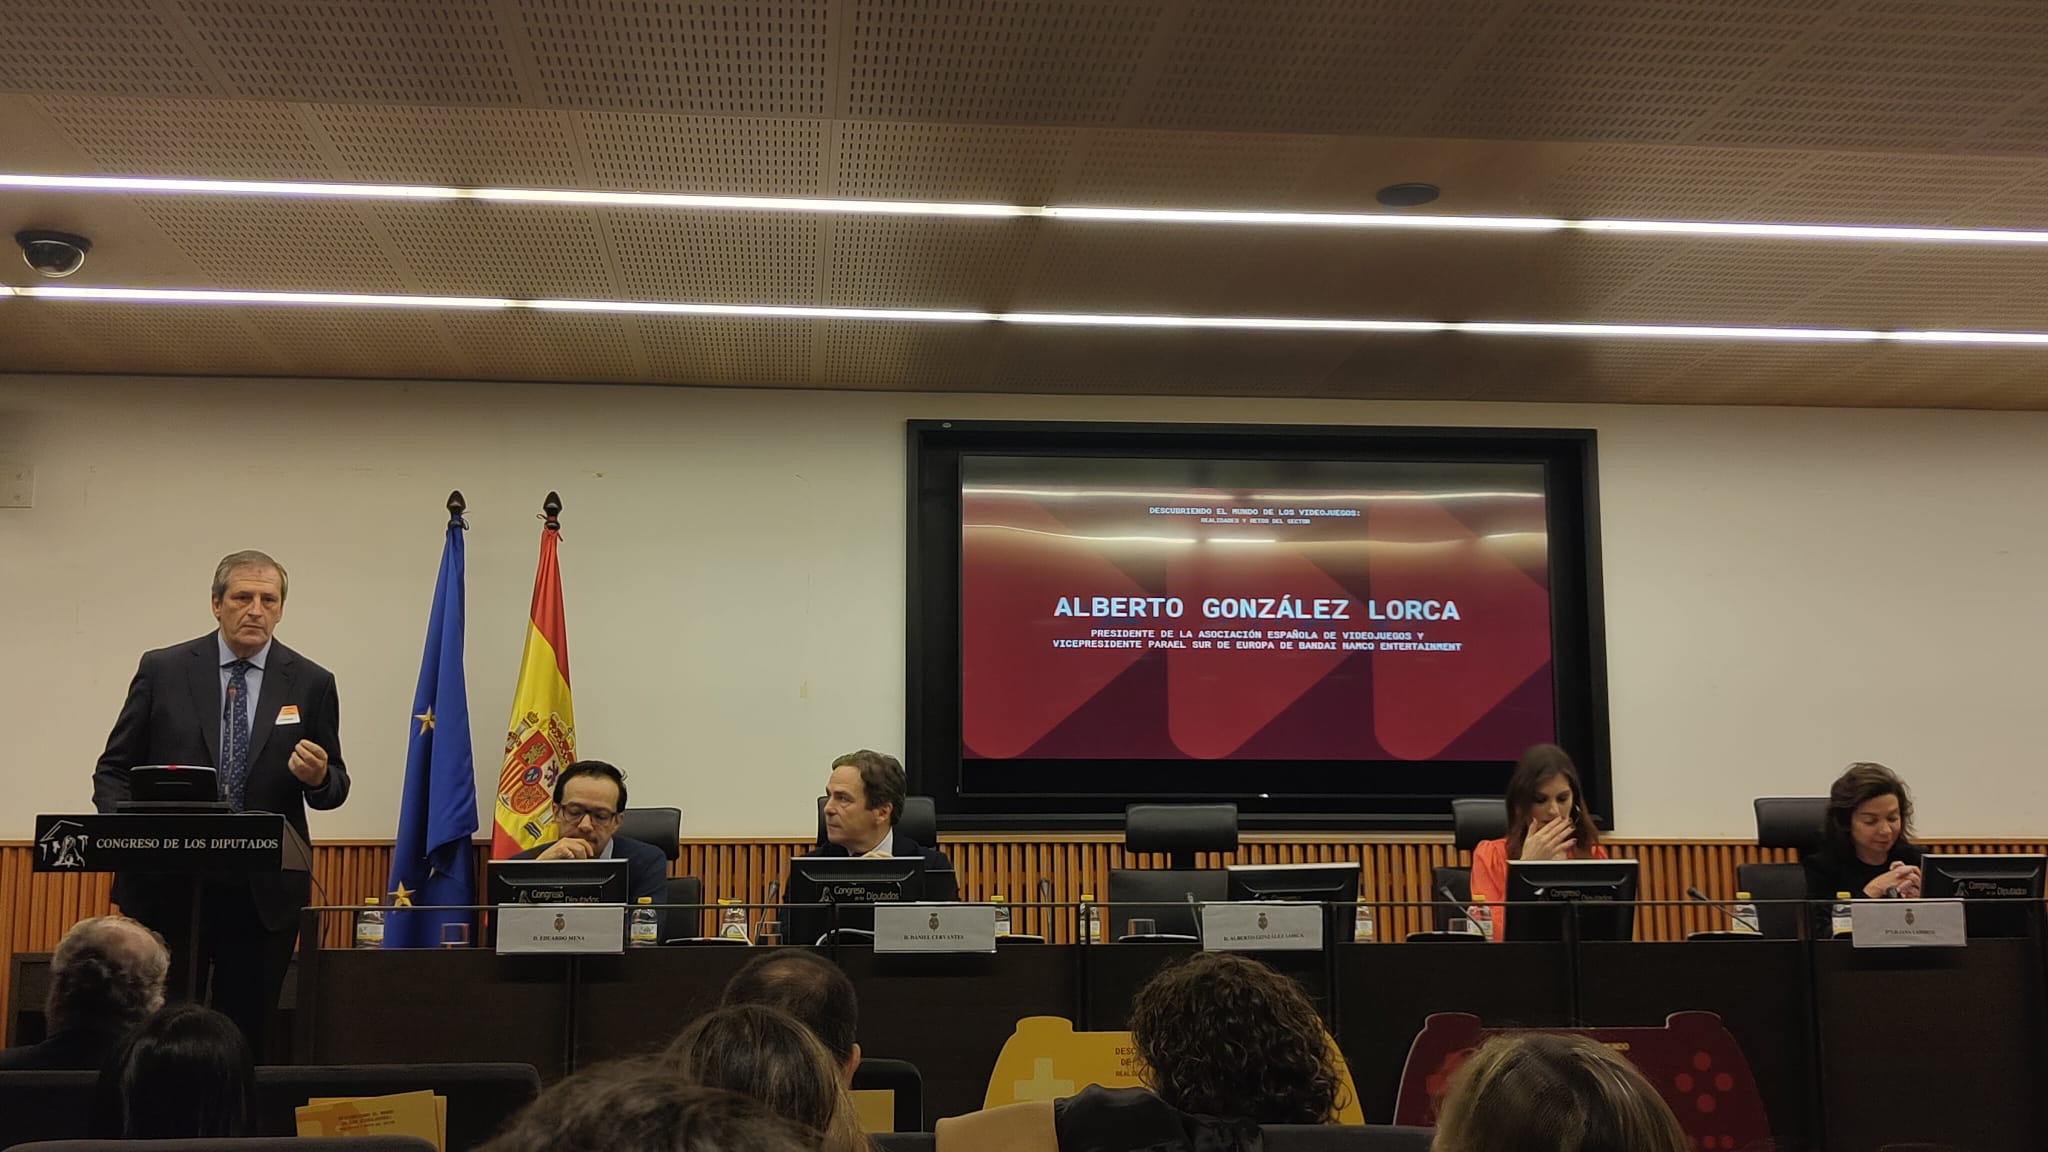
x=430 y=864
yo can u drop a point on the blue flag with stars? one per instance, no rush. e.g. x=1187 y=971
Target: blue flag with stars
x=430 y=863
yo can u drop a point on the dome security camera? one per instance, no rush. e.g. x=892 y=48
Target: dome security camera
x=53 y=254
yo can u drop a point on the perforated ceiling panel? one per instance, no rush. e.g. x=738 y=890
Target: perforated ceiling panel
x=262 y=244
x=1033 y=61
x=716 y=257
x=465 y=248
x=543 y=346
x=445 y=52
x=945 y=358
x=879 y=261
x=708 y=59
x=1979 y=288
x=410 y=144
x=227 y=139
x=160 y=338
x=1665 y=183
x=1309 y=65
x=751 y=352
x=1889 y=189
x=1731 y=284
x=977 y=162
x=114 y=47
x=1192 y=169
x=1646 y=70
x=384 y=342
x=1166 y=362
x=722 y=155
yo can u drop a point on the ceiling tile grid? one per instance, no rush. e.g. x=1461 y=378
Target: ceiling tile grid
x=921 y=262
x=467 y=248
x=753 y=352
x=263 y=244
x=1334 y=66
x=700 y=57
x=895 y=356
x=987 y=163
x=711 y=155
x=397 y=51
x=1132 y=169
x=108 y=47
x=417 y=144
x=385 y=343
x=1070 y=62
x=543 y=346
x=153 y=338
x=716 y=257
x=218 y=139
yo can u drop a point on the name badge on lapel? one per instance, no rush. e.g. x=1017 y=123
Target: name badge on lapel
x=289 y=714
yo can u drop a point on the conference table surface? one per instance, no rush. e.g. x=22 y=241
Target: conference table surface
x=1850 y=1048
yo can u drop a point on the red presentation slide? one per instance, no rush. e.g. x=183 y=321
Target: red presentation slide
x=1364 y=617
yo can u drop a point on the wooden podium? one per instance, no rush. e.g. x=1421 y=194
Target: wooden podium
x=196 y=844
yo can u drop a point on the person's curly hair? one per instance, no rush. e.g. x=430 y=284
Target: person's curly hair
x=1222 y=1035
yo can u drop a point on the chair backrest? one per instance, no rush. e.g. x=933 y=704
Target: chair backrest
x=244 y=1144
x=900 y=1077
x=45 y=1105
x=682 y=920
x=1790 y=821
x=1160 y=895
x=1345 y=1138
x=1180 y=830
x=481 y=1097
x=1459 y=882
x=1767 y=882
x=1476 y=818
x=661 y=827
x=904 y=1141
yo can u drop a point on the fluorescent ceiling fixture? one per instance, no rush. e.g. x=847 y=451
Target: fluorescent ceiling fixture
x=1870 y=233
x=1070 y=319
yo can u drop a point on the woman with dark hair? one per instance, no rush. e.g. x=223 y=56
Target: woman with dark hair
x=1866 y=846
x=1224 y=1044
x=769 y=1055
x=183 y=1073
x=1545 y=822
x=643 y=1106
x=1558 y=1093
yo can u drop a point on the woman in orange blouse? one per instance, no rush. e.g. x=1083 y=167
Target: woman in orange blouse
x=1545 y=822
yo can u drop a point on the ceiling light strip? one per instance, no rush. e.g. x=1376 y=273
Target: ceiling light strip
x=1867 y=233
x=1056 y=319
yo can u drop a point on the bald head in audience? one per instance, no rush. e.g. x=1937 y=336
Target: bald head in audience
x=810 y=988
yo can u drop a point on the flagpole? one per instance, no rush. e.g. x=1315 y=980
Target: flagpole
x=550 y=511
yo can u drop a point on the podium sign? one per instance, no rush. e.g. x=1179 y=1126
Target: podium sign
x=935 y=928
x=183 y=843
x=1262 y=927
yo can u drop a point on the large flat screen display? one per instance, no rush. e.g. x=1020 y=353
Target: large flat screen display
x=1354 y=623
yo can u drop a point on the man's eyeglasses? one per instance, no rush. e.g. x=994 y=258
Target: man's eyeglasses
x=573 y=814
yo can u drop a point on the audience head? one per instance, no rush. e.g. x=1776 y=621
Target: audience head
x=1543 y=787
x=771 y=1056
x=863 y=799
x=1221 y=1035
x=184 y=1073
x=106 y=975
x=643 y=1106
x=1554 y=1093
x=1869 y=812
x=590 y=795
x=810 y=988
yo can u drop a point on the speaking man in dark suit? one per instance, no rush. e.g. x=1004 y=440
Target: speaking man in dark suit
x=590 y=798
x=863 y=800
x=268 y=720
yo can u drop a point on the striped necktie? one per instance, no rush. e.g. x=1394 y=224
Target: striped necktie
x=235 y=742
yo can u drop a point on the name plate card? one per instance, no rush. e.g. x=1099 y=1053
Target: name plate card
x=570 y=928
x=1907 y=924
x=1262 y=927
x=935 y=927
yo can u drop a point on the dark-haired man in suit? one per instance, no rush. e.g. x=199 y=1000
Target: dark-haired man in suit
x=863 y=800
x=269 y=721
x=590 y=799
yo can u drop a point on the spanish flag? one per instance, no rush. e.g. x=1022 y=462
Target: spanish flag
x=541 y=738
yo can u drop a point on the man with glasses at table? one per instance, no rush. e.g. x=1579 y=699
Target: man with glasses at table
x=590 y=797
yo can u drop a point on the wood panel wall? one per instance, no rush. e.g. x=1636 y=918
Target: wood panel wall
x=35 y=909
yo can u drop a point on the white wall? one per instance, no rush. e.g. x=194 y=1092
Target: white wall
x=1787 y=590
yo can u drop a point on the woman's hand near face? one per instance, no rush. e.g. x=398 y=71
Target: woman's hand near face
x=1551 y=841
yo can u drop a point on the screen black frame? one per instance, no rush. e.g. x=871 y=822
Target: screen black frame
x=1320 y=795
x=507 y=880
x=1533 y=915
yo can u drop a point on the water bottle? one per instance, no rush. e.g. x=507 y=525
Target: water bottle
x=1091 y=919
x=1361 y=923
x=1002 y=914
x=1744 y=917
x=1841 y=923
x=732 y=920
x=370 y=925
x=1480 y=923
x=645 y=930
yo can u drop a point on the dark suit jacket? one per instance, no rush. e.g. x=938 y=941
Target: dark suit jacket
x=905 y=846
x=73 y=1048
x=649 y=875
x=172 y=716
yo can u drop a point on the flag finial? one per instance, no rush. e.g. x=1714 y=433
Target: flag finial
x=551 y=508
x=456 y=505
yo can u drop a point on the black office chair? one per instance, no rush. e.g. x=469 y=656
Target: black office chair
x=1472 y=819
x=919 y=821
x=663 y=828
x=900 y=1077
x=37 y=1105
x=1167 y=895
x=481 y=1097
x=1782 y=822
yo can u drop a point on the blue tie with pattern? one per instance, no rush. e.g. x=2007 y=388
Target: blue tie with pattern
x=236 y=746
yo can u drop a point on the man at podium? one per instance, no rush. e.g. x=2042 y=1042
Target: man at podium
x=268 y=720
